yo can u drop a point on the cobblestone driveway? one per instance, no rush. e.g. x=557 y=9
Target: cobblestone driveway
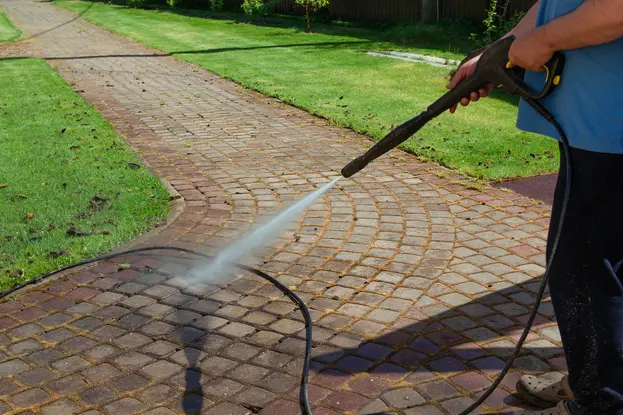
x=418 y=286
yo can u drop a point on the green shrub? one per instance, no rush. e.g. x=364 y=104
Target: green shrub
x=497 y=23
x=259 y=7
x=216 y=5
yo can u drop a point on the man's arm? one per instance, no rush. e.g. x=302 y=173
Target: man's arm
x=593 y=23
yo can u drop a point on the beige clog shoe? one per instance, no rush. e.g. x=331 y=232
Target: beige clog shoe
x=544 y=391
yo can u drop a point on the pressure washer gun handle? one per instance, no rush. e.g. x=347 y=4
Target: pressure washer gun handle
x=515 y=85
x=495 y=65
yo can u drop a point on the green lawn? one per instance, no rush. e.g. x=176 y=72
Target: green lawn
x=8 y=32
x=63 y=170
x=329 y=74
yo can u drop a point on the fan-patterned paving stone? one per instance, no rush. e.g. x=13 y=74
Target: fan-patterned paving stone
x=417 y=285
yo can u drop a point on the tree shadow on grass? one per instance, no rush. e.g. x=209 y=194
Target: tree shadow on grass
x=43 y=32
x=202 y=51
x=369 y=37
x=451 y=36
x=497 y=94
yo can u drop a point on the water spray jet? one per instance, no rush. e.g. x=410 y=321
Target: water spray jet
x=221 y=266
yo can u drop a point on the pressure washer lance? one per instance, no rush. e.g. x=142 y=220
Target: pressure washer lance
x=493 y=67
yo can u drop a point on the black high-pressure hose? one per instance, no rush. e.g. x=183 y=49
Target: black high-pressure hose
x=303 y=395
x=494 y=68
x=509 y=363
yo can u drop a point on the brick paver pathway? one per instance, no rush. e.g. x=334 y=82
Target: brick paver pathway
x=418 y=285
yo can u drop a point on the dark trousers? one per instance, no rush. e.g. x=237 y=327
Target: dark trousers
x=586 y=280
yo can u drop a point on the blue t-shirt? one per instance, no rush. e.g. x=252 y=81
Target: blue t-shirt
x=588 y=101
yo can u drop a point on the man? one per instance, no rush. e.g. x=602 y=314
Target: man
x=586 y=282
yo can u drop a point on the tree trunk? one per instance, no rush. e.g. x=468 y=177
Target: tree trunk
x=307 y=17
